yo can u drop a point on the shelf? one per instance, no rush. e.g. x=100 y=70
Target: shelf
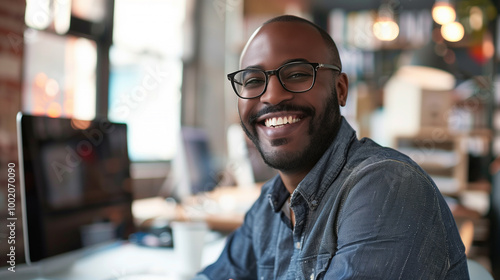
x=432 y=159
x=441 y=154
x=484 y=186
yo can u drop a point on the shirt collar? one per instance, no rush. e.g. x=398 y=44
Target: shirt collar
x=278 y=195
x=318 y=180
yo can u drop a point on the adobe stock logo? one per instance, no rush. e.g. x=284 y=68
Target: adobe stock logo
x=94 y=138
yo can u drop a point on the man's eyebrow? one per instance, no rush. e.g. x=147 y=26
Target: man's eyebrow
x=254 y=67
x=295 y=60
x=283 y=63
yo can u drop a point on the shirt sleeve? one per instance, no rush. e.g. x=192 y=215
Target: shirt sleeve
x=237 y=260
x=391 y=226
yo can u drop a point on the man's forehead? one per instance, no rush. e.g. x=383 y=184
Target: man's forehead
x=288 y=36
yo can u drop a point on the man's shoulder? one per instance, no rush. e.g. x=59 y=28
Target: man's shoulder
x=366 y=151
x=369 y=158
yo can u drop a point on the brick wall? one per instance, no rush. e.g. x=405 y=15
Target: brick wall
x=11 y=61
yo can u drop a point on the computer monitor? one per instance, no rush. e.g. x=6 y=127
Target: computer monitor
x=75 y=184
x=193 y=168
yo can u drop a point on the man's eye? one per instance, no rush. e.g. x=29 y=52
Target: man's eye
x=298 y=76
x=253 y=82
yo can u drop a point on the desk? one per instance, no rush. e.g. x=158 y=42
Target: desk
x=223 y=208
x=116 y=262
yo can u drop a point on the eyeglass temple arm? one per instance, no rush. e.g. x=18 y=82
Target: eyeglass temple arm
x=329 y=66
x=231 y=78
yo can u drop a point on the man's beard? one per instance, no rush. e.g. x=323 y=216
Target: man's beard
x=322 y=135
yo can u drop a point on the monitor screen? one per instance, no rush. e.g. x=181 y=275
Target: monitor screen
x=193 y=168
x=202 y=173
x=75 y=184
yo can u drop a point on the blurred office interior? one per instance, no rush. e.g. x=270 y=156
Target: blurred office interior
x=423 y=78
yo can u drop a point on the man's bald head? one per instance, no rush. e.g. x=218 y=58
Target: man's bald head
x=333 y=53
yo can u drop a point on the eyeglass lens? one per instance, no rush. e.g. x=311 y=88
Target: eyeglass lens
x=296 y=77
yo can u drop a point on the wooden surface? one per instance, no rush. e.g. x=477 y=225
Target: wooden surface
x=222 y=209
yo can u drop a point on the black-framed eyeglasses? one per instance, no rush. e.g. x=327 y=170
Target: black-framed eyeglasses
x=295 y=77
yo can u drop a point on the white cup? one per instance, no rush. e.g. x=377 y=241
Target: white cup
x=189 y=239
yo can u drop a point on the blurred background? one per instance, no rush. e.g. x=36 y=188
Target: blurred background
x=423 y=79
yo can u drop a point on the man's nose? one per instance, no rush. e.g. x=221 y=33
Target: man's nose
x=275 y=93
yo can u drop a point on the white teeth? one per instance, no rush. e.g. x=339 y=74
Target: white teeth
x=280 y=121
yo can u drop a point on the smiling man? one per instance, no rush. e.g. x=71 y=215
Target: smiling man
x=340 y=208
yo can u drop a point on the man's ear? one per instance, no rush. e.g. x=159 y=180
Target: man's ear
x=342 y=86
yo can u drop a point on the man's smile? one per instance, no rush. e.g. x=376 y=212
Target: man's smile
x=280 y=121
x=282 y=124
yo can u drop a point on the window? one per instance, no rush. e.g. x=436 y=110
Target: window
x=76 y=67
x=59 y=75
x=146 y=75
x=60 y=68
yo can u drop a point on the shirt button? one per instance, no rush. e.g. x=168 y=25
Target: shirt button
x=297 y=245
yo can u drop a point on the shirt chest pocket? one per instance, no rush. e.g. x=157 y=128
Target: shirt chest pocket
x=313 y=267
x=265 y=272
x=266 y=264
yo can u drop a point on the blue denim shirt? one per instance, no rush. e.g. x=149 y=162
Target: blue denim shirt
x=363 y=212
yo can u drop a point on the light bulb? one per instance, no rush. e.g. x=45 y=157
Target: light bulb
x=385 y=29
x=443 y=13
x=452 y=32
x=476 y=18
